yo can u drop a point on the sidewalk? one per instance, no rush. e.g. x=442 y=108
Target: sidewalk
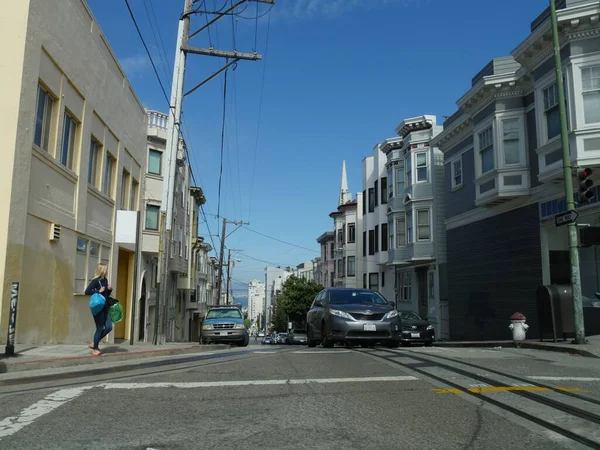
x=590 y=350
x=33 y=357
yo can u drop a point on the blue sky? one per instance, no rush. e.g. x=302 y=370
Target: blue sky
x=339 y=76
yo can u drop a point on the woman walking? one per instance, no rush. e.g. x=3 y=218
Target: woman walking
x=99 y=285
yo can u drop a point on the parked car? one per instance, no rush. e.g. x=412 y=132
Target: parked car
x=416 y=329
x=281 y=338
x=225 y=324
x=297 y=337
x=267 y=340
x=353 y=316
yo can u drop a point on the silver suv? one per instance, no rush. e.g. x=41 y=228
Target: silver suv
x=352 y=316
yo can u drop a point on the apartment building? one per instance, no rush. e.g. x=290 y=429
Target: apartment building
x=73 y=137
x=345 y=237
x=326 y=265
x=256 y=300
x=274 y=279
x=178 y=314
x=375 y=272
x=503 y=175
x=415 y=212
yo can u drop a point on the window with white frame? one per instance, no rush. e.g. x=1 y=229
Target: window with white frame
x=511 y=141
x=391 y=233
x=423 y=225
x=399 y=179
x=401 y=231
x=43 y=118
x=422 y=169
x=88 y=254
x=68 y=141
x=390 y=178
x=590 y=77
x=457 y=175
x=486 y=150
x=551 y=111
x=408 y=165
x=152 y=216
x=155 y=162
x=351 y=266
x=409 y=227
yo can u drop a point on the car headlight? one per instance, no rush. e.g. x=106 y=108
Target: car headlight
x=207 y=327
x=239 y=326
x=430 y=327
x=391 y=314
x=342 y=314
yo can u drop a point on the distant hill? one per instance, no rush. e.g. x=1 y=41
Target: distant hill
x=241 y=298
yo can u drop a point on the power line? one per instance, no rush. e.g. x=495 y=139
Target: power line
x=148 y=52
x=222 y=141
x=283 y=242
x=210 y=235
x=259 y=116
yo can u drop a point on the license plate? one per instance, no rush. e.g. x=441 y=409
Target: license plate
x=370 y=327
x=415 y=335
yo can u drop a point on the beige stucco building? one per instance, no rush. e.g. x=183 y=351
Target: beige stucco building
x=73 y=139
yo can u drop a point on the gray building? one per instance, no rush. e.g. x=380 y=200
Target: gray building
x=503 y=175
x=326 y=264
x=415 y=214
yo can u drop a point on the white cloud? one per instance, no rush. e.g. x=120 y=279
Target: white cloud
x=132 y=65
x=306 y=9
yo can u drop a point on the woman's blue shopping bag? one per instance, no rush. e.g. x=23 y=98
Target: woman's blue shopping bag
x=97 y=303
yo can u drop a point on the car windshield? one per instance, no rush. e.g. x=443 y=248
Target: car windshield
x=224 y=314
x=409 y=315
x=345 y=297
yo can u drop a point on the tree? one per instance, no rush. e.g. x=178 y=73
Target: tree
x=248 y=323
x=297 y=294
x=279 y=317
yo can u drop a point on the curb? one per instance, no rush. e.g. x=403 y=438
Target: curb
x=11 y=367
x=510 y=344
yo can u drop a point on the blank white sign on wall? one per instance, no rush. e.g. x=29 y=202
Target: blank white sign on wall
x=126 y=229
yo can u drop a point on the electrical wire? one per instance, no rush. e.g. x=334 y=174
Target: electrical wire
x=262 y=88
x=222 y=141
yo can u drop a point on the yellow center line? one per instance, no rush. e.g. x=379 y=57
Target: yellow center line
x=480 y=390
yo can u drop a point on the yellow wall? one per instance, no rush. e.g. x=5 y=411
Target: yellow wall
x=59 y=43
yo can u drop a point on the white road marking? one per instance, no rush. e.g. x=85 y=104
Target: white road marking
x=320 y=352
x=11 y=425
x=566 y=378
x=205 y=384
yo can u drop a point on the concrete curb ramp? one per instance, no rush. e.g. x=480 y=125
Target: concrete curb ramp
x=9 y=365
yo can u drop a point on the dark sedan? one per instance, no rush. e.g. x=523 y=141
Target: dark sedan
x=352 y=316
x=416 y=329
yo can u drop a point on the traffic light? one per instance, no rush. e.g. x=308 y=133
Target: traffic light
x=585 y=185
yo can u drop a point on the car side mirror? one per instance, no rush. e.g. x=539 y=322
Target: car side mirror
x=392 y=303
x=319 y=303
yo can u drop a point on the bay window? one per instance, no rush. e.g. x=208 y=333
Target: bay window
x=421 y=159
x=591 y=93
x=401 y=231
x=511 y=141
x=400 y=180
x=409 y=227
x=390 y=179
x=551 y=111
x=486 y=150
x=408 y=164
x=423 y=225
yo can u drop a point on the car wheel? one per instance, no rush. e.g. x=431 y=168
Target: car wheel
x=327 y=343
x=309 y=340
x=246 y=341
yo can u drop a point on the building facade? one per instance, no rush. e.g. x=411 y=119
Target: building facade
x=274 y=279
x=415 y=214
x=175 y=319
x=73 y=137
x=326 y=266
x=256 y=300
x=345 y=237
x=375 y=272
x=503 y=175
x=306 y=270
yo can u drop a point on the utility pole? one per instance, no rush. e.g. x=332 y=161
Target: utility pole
x=229 y=273
x=173 y=139
x=221 y=254
x=569 y=198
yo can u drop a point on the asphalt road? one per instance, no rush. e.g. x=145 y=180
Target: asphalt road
x=283 y=397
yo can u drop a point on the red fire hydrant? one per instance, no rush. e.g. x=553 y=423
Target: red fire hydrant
x=519 y=328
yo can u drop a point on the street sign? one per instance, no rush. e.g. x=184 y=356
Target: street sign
x=565 y=218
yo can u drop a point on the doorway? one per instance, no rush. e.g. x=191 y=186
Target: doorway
x=123 y=290
x=142 y=321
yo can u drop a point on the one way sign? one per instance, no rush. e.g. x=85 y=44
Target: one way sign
x=566 y=218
